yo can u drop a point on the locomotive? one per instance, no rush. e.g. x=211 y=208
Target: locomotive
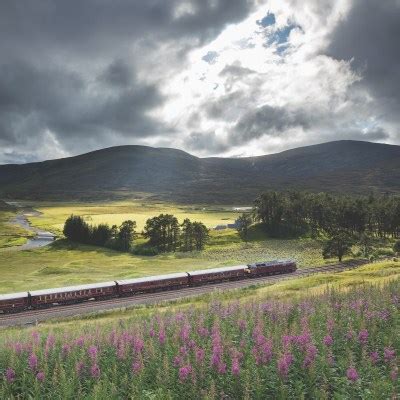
x=15 y=302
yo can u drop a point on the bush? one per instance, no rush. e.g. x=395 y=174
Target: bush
x=396 y=247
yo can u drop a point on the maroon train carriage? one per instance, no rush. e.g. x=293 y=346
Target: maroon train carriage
x=13 y=302
x=272 y=268
x=152 y=283
x=217 y=274
x=72 y=294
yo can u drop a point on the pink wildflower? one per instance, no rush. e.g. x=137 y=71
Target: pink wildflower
x=66 y=348
x=18 y=348
x=235 y=367
x=95 y=371
x=92 y=351
x=374 y=356
x=328 y=340
x=161 y=337
x=394 y=374
x=40 y=376
x=79 y=367
x=352 y=374
x=389 y=354
x=311 y=353
x=363 y=336
x=10 y=375
x=349 y=335
x=221 y=368
x=200 y=353
x=33 y=361
x=184 y=372
x=284 y=364
x=136 y=367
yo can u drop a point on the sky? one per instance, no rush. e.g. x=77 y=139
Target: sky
x=225 y=78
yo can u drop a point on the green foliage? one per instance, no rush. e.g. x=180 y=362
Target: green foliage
x=76 y=229
x=338 y=245
x=396 y=246
x=126 y=235
x=163 y=232
x=243 y=225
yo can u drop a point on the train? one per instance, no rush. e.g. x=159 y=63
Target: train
x=35 y=299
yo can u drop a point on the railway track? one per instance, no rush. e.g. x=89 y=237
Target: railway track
x=31 y=317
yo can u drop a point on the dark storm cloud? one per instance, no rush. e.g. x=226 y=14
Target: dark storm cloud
x=267 y=120
x=76 y=68
x=369 y=35
x=61 y=101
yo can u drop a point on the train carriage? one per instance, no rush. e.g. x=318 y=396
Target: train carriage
x=73 y=294
x=14 y=302
x=217 y=275
x=152 y=283
x=272 y=268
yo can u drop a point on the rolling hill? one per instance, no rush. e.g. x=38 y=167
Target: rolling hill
x=117 y=172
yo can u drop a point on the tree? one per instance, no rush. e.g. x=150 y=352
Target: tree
x=163 y=232
x=100 y=235
x=365 y=243
x=396 y=246
x=243 y=224
x=77 y=230
x=126 y=235
x=338 y=245
x=187 y=235
x=200 y=235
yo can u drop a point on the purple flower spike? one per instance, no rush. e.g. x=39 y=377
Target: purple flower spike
x=184 y=372
x=363 y=336
x=92 y=352
x=352 y=374
x=33 y=361
x=95 y=371
x=328 y=340
x=40 y=376
x=389 y=354
x=284 y=364
x=10 y=375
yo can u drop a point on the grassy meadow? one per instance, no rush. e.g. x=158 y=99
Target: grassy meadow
x=63 y=263
x=297 y=339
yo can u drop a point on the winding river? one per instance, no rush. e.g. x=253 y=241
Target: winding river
x=41 y=238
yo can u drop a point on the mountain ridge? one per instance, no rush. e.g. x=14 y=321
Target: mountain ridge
x=115 y=172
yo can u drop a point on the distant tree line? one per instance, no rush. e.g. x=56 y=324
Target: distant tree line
x=341 y=220
x=164 y=234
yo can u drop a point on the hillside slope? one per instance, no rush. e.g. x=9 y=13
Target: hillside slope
x=342 y=166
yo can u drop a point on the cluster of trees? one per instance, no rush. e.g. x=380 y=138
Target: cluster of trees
x=164 y=232
x=121 y=238
x=341 y=220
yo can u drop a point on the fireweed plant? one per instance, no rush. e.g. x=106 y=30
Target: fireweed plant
x=340 y=344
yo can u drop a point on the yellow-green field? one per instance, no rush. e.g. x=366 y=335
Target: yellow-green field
x=54 y=215
x=62 y=263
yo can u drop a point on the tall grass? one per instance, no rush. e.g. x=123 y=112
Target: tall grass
x=339 y=344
